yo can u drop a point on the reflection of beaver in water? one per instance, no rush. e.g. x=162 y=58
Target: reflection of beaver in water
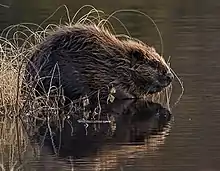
x=86 y=58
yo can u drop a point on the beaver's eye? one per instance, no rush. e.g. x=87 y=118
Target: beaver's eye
x=135 y=57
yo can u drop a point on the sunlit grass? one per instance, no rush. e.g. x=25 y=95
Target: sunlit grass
x=13 y=139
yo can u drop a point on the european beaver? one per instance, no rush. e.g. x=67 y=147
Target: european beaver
x=83 y=59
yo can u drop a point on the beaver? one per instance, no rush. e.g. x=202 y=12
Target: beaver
x=83 y=59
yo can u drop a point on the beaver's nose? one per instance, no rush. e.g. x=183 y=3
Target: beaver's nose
x=169 y=77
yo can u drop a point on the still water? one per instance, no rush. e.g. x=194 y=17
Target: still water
x=191 y=37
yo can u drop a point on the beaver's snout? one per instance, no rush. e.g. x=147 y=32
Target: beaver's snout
x=163 y=82
x=168 y=78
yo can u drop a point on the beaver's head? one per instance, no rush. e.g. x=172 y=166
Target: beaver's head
x=149 y=71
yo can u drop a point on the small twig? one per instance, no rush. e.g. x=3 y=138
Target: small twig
x=17 y=114
x=93 y=121
x=5 y=6
x=51 y=135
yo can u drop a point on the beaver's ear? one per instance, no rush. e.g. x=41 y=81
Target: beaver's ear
x=135 y=57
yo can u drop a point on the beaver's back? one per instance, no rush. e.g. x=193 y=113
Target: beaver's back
x=72 y=57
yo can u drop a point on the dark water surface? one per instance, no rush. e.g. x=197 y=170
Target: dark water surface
x=191 y=34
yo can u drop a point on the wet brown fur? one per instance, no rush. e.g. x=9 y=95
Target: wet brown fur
x=83 y=59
